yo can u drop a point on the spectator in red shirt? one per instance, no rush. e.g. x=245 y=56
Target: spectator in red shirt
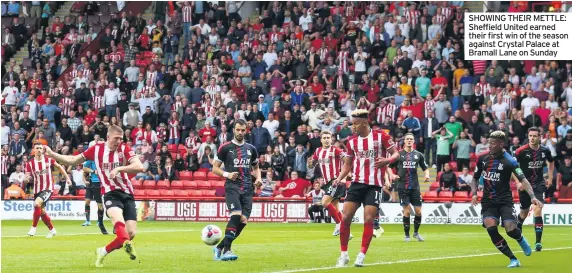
x=207 y=131
x=317 y=87
x=294 y=187
x=437 y=82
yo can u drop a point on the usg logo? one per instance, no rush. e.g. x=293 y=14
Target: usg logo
x=22 y=206
x=438 y=216
x=470 y=216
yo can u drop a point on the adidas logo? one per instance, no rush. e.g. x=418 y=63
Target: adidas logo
x=470 y=216
x=381 y=213
x=399 y=217
x=438 y=216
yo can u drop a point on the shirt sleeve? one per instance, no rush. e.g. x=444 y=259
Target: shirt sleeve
x=478 y=169
x=128 y=153
x=221 y=153
x=548 y=155
x=422 y=162
x=254 y=157
x=350 y=152
x=28 y=167
x=89 y=154
x=387 y=142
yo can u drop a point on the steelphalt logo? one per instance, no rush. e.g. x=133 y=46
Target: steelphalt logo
x=470 y=216
x=438 y=216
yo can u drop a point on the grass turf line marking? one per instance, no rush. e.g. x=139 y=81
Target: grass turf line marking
x=414 y=260
x=99 y=233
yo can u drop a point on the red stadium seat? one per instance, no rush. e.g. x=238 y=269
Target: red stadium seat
x=174 y=155
x=445 y=196
x=480 y=195
x=218 y=184
x=453 y=165
x=204 y=184
x=195 y=193
x=136 y=184
x=176 y=184
x=173 y=148
x=167 y=193
x=185 y=175
x=149 y=184
x=461 y=196
x=434 y=186
x=181 y=193
x=430 y=197
x=200 y=175
x=152 y=193
x=139 y=193
x=163 y=184
x=211 y=176
x=565 y=200
x=556 y=194
x=190 y=185
x=81 y=192
x=209 y=193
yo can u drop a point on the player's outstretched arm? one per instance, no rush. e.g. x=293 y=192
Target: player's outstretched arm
x=64 y=159
x=135 y=166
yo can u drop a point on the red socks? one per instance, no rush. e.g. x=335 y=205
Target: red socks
x=37 y=214
x=121 y=237
x=47 y=220
x=334 y=213
x=344 y=235
x=366 y=237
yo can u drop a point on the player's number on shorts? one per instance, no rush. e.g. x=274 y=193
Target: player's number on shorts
x=377 y=197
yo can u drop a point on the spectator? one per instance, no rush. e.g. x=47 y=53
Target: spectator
x=17 y=177
x=14 y=192
x=294 y=187
x=465 y=180
x=443 y=151
x=316 y=194
x=448 y=180
x=463 y=144
x=168 y=171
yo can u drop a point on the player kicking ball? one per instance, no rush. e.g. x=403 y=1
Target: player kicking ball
x=367 y=155
x=239 y=158
x=113 y=161
x=329 y=159
x=40 y=169
x=408 y=185
x=496 y=168
x=533 y=157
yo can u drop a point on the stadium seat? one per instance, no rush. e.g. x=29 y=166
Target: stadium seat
x=480 y=195
x=453 y=165
x=173 y=155
x=173 y=148
x=211 y=176
x=181 y=193
x=185 y=175
x=163 y=184
x=139 y=193
x=149 y=184
x=167 y=193
x=81 y=192
x=445 y=196
x=137 y=184
x=434 y=186
x=190 y=185
x=430 y=197
x=461 y=196
x=565 y=200
x=209 y=193
x=204 y=184
x=176 y=184
x=195 y=193
x=152 y=193
x=200 y=175
x=218 y=183
x=556 y=195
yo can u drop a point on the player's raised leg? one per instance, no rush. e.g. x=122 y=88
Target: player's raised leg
x=121 y=237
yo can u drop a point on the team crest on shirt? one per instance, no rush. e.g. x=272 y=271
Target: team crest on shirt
x=376 y=145
x=415 y=156
x=120 y=155
x=248 y=152
x=108 y=203
x=542 y=155
x=500 y=167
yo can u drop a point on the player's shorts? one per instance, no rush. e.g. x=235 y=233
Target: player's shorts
x=93 y=193
x=123 y=201
x=336 y=192
x=367 y=195
x=525 y=201
x=44 y=195
x=498 y=211
x=409 y=196
x=237 y=200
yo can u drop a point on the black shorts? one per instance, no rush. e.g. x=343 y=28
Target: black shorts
x=44 y=195
x=498 y=211
x=525 y=201
x=123 y=201
x=93 y=193
x=237 y=200
x=409 y=196
x=367 y=195
x=336 y=192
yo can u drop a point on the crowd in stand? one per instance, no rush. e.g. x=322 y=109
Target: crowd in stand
x=293 y=71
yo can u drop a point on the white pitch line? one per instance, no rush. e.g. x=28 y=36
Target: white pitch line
x=99 y=233
x=415 y=260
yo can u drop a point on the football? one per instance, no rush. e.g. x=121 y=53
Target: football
x=211 y=235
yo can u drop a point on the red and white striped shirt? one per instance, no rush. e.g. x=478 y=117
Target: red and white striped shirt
x=364 y=152
x=106 y=161
x=176 y=106
x=115 y=56
x=441 y=20
x=4 y=164
x=330 y=161
x=412 y=17
x=150 y=137
x=68 y=105
x=448 y=12
x=41 y=171
x=343 y=58
x=187 y=13
x=190 y=142
x=173 y=129
x=429 y=104
x=98 y=102
x=323 y=54
x=162 y=133
x=486 y=88
x=152 y=76
x=384 y=112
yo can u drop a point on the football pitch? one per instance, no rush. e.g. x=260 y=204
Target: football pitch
x=277 y=247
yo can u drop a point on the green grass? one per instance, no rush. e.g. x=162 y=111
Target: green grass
x=262 y=247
